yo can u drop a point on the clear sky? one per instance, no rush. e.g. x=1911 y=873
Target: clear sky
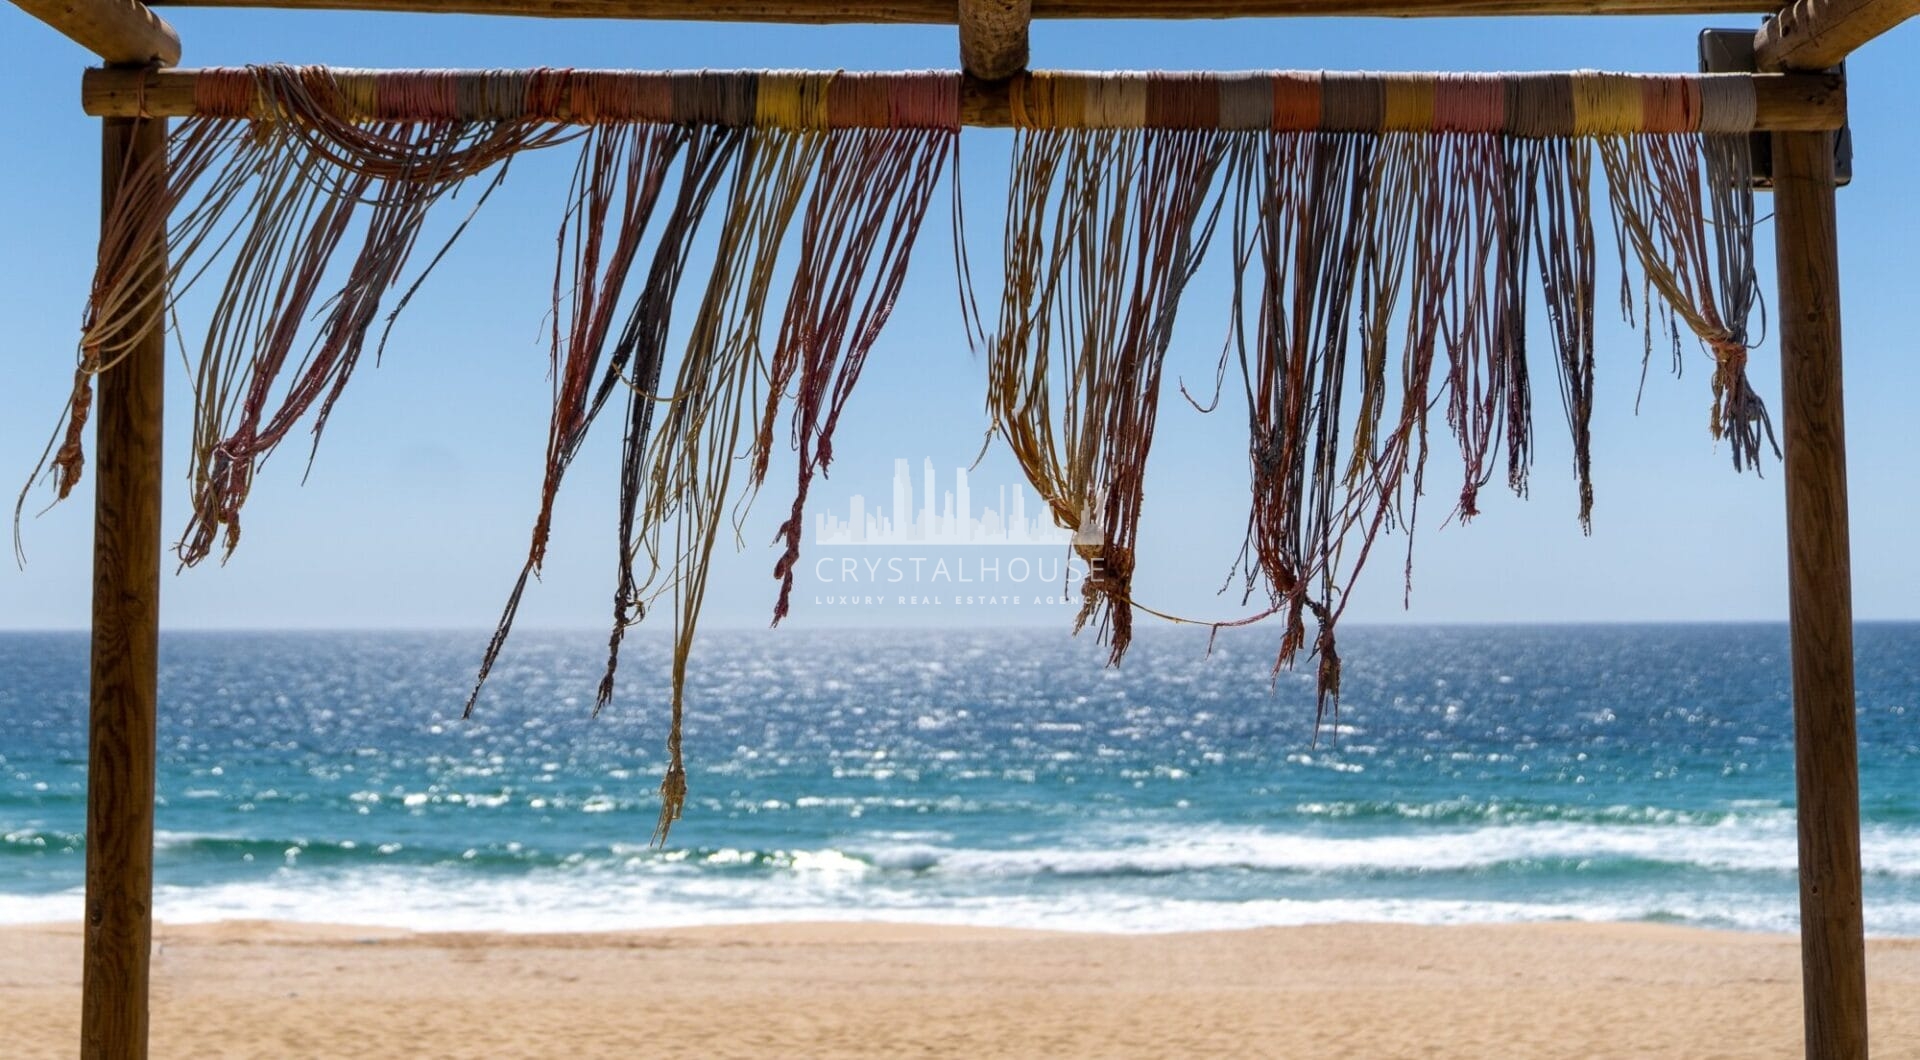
x=417 y=511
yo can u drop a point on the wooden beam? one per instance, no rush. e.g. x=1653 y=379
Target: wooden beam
x=1820 y=599
x=125 y=649
x=1798 y=102
x=943 y=12
x=1817 y=34
x=993 y=37
x=118 y=31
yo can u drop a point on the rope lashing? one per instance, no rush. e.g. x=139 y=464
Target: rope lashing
x=1587 y=103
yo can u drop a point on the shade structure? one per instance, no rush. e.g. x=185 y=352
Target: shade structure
x=1836 y=1021
x=1353 y=196
x=1299 y=139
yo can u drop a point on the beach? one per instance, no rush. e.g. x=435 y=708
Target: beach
x=259 y=989
x=1516 y=843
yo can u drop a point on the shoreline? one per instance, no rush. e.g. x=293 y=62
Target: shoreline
x=880 y=928
x=862 y=988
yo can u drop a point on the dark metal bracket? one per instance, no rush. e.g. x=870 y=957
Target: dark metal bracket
x=1730 y=51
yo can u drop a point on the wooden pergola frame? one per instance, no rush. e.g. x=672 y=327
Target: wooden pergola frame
x=1807 y=36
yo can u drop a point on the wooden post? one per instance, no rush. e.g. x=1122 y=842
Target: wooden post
x=126 y=623
x=1820 y=599
x=993 y=37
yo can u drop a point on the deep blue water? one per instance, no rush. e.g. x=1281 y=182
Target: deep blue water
x=1478 y=773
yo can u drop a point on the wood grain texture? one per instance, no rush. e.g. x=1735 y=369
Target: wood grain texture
x=1785 y=101
x=118 y=31
x=125 y=652
x=1818 y=34
x=943 y=12
x=993 y=37
x=1820 y=598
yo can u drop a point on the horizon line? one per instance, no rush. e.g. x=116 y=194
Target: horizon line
x=975 y=628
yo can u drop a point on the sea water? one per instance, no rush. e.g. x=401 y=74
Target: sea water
x=982 y=777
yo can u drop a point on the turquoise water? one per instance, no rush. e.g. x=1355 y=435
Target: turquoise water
x=1477 y=774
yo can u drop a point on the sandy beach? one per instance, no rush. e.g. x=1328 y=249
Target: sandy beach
x=254 y=989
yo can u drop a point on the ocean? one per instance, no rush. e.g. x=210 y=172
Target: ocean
x=1476 y=774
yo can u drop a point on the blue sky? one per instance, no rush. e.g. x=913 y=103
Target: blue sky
x=417 y=511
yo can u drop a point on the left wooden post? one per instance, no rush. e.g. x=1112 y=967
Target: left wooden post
x=124 y=672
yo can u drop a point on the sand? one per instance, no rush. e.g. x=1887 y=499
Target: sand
x=250 y=989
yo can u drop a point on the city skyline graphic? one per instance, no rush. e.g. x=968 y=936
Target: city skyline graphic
x=951 y=522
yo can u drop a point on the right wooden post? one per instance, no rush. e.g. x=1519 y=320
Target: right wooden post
x=1820 y=599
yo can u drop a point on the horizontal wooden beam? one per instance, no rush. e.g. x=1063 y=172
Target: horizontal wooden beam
x=1783 y=102
x=121 y=32
x=944 y=12
x=1817 y=34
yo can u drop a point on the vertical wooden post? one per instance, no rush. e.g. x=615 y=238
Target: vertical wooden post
x=125 y=649
x=993 y=37
x=1820 y=599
